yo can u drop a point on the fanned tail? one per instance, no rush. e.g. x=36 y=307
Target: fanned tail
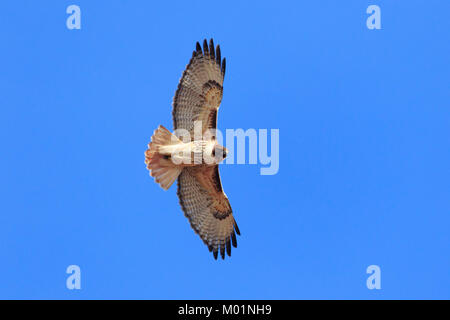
x=159 y=161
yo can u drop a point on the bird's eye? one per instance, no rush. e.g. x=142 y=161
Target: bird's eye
x=214 y=152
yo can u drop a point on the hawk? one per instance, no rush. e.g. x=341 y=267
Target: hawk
x=194 y=160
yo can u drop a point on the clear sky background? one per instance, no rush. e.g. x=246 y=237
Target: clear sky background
x=364 y=118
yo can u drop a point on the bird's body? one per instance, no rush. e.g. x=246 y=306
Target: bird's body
x=195 y=162
x=193 y=153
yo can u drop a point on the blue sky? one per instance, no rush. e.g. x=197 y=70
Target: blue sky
x=364 y=149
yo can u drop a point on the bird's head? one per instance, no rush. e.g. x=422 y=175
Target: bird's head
x=219 y=153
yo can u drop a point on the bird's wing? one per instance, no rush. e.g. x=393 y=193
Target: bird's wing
x=199 y=91
x=207 y=207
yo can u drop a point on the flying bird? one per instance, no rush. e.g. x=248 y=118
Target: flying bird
x=195 y=162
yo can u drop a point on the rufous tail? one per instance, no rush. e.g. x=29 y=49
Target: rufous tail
x=159 y=161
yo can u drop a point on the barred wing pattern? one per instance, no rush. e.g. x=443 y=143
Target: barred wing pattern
x=207 y=207
x=199 y=91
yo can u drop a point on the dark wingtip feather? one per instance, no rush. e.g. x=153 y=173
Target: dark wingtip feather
x=205 y=47
x=228 y=247
x=224 y=62
x=236 y=228
x=198 y=48
x=218 y=58
x=211 y=49
x=233 y=239
x=222 y=251
x=215 y=252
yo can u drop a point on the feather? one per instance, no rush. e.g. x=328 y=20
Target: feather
x=233 y=239
x=224 y=62
x=218 y=55
x=211 y=49
x=237 y=229
x=205 y=47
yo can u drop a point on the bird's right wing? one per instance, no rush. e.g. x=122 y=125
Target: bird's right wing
x=207 y=207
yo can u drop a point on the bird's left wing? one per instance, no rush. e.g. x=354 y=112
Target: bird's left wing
x=207 y=207
x=199 y=91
